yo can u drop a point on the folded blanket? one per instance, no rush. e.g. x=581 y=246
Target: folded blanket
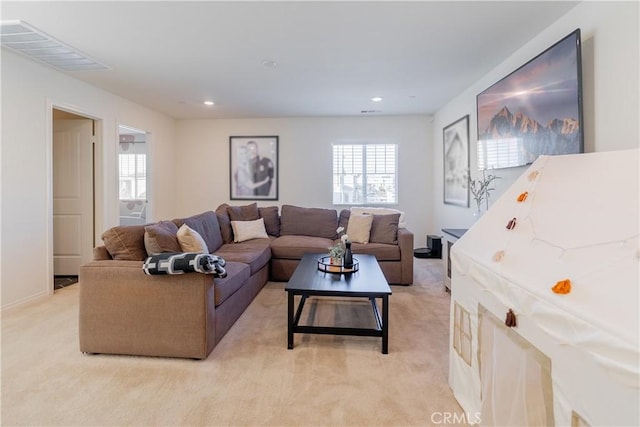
x=180 y=263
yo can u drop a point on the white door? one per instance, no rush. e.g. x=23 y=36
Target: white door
x=72 y=195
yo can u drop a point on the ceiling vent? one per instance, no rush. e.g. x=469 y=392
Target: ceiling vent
x=26 y=40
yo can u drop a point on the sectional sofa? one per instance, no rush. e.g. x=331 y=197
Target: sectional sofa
x=125 y=311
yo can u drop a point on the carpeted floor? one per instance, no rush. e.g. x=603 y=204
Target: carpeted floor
x=249 y=379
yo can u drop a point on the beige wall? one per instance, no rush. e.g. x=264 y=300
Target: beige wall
x=28 y=92
x=305 y=158
x=610 y=35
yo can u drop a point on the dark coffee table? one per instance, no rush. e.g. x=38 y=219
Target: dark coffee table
x=368 y=282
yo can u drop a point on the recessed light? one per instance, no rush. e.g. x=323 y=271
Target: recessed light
x=208 y=103
x=376 y=99
x=269 y=63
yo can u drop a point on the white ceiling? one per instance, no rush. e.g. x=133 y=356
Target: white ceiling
x=332 y=56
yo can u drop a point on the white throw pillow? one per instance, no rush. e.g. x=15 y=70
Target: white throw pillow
x=247 y=230
x=380 y=211
x=190 y=240
x=359 y=228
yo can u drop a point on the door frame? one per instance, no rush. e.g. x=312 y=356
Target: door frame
x=97 y=176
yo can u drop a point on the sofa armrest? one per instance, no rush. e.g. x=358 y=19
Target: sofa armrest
x=405 y=242
x=101 y=253
x=124 y=311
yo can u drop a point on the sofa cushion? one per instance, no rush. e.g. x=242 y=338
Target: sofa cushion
x=382 y=251
x=359 y=228
x=294 y=246
x=225 y=223
x=384 y=229
x=237 y=276
x=247 y=230
x=315 y=222
x=125 y=242
x=380 y=211
x=256 y=253
x=161 y=238
x=343 y=218
x=271 y=220
x=190 y=240
x=244 y=213
x=206 y=224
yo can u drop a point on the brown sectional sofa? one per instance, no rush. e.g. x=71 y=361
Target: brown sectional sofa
x=124 y=311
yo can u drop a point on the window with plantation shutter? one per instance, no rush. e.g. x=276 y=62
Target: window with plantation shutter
x=133 y=176
x=365 y=174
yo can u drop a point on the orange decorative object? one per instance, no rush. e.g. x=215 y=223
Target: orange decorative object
x=512 y=224
x=523 y=196
x=533 y=175
x=497 y=257
x=562 y=287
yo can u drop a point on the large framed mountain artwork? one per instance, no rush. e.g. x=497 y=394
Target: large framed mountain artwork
x=536 y=110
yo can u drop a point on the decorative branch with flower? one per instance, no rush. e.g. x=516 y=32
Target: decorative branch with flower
x=337 y=251
x=481 y=188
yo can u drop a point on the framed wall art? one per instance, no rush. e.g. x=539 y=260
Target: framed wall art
x=253 y=167
x=456 y=162
x=536 y=110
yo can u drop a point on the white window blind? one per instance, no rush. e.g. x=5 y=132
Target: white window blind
x=365 y=174
x=133 y=176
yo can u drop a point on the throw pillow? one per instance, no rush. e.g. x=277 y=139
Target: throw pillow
x=380 y=211
x=125 y=242
x=225 y=223
x=190 y=240
x=244 y=213
x=161 y=237
x=384 y=229
x=359 y=228
x=271 y=220
x=247 y=230
x=206 y=224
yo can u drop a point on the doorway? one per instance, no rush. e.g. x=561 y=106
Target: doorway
x=73 y=188
x=132 y=176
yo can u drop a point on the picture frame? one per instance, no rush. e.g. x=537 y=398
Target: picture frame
x=455 y=138
x=535 y=110
x=253 y=167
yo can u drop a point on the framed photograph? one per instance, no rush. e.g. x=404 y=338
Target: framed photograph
x=456 y=162
x=536 y=110
x=253 y=170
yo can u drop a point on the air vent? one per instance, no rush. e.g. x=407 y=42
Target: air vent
x=370 y=111
x=26 y=40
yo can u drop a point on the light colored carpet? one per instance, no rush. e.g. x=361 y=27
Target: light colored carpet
x=250 y=378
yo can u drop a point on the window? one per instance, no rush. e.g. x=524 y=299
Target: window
x=133 y=176
x=365 y=174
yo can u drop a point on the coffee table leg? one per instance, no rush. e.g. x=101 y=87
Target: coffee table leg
x=385 y=324
x=290 y=320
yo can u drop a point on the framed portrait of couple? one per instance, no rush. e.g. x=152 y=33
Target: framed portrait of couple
x=253 y=170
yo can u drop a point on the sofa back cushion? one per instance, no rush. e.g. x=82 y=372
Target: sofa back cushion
x=384 y=229
x=125 y=242
x=207 y=226
x=271 y=220
x=225 y=223
x=317 y=222
x=244 y=213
